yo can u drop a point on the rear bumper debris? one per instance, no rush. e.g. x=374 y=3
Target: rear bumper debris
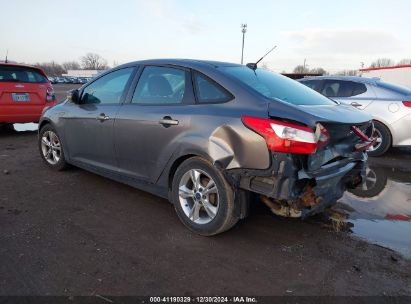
x=289 y=189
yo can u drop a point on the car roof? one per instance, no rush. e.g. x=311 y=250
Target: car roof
x=19 y=65
x=189 y=63
x=347 y=78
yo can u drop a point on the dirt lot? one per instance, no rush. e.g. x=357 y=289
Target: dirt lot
x=75 y=233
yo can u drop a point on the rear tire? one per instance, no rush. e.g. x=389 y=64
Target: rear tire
x=203 y=199
x=7 y=127
x=385 y=136
x=51 y=149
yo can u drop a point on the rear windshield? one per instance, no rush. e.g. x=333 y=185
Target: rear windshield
x=394 y=87
x=21 y=74
x=275 y=86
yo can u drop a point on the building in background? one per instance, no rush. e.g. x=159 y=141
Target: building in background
x=400 y=75
x=82 y=73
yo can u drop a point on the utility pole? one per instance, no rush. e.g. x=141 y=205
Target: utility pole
x=305 y=60
x=243 y=30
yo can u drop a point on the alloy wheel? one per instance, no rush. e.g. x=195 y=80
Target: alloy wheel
x=378 y=141
x=198 y=196
x=51 y=147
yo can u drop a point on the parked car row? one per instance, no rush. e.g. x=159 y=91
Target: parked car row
x=388 y=104
x=75 y=80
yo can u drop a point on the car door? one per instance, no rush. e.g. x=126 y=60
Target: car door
x=346 y=92
x=146 y=127
x=88 y=126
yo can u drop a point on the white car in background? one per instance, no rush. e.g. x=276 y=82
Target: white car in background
x=389 y=105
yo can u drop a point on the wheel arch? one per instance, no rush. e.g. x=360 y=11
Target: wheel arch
x=43 y=123
x=177 y=162
x=381 y=121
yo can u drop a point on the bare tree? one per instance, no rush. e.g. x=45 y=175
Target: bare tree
x=404 y=61
x=347 y=73
x=318 y=71
x=300 y=69
x=93 y=61
x=51 y=68
x=71 y=65
x=382 y=62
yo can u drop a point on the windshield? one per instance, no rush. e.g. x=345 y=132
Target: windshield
x=395 y=88
x=21 y=74
x=272 y=85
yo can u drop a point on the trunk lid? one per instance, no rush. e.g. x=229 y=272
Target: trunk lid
x=338 y=120
x=340 y=113
x=12 y=93
x=311 y=114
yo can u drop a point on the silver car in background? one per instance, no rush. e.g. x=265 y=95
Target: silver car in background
x=389 y=105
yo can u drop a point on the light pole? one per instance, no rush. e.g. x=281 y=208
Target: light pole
x=243 y=30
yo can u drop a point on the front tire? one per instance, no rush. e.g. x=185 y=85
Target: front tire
x=384 y=140
x=7 y=127
x=203 y=199
x=51 y=149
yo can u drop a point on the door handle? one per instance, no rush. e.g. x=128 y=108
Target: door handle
x=168 y=121
x=356 y=104
x=103 y=117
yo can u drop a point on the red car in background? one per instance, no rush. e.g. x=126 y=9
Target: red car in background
x=24 y=93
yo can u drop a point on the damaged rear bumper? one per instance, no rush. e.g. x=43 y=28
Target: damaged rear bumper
x=290 y=189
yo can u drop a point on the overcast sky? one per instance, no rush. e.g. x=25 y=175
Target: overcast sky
x=334 y=35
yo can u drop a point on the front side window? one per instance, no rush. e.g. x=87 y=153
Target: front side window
x=160 y=85
x=275 y=86
x=21 y=74
x=208 y=91
x=108 y=89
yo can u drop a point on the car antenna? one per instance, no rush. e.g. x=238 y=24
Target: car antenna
x=253 y=66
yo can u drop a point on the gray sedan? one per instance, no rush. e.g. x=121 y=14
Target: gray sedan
x=209 y=136
x=389 y=105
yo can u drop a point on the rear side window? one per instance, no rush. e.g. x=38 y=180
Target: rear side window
x=21 y=74
x=160 y=85
x=107 y=89
x=208 y=91
x=339 y=88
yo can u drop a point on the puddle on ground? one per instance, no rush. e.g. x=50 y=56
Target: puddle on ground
x=380 y=210
x=25 y=127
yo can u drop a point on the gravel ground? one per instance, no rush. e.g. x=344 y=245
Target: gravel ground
x=76 y=233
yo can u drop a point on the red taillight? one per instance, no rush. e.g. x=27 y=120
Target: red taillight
x=50 y=94
x=407 y=103
x=288 y=137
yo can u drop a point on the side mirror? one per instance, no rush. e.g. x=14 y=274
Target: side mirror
x=74 y=96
